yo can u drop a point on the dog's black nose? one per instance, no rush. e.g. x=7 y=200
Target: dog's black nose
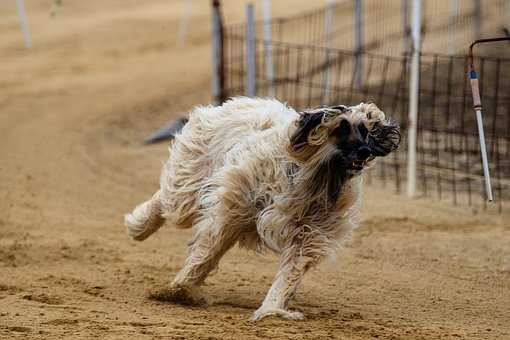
x=363 y=152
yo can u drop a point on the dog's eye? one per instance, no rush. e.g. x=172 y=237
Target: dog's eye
x=363 y=130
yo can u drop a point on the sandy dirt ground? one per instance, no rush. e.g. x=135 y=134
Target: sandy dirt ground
x=73 y=112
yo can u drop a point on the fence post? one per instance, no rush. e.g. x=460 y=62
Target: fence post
x=414 y=96
x=250 y=50
x=328 y=29
x=358 y=43
x=218 y=83
x=268 y=51
x=478 y=19
x=404 y=7
x=453 y=12
x=24 y=23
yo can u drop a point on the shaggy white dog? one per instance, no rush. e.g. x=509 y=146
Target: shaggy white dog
x=257 y=173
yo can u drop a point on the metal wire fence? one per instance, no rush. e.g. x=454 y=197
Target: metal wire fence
x=447 y=26
x=308 y=74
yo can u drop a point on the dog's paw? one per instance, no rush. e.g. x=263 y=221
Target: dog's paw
x=263 y=312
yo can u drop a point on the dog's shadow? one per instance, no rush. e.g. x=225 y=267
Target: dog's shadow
x=186 y=296
x=194 y=297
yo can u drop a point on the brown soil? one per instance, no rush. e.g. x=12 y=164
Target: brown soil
x=73 y=111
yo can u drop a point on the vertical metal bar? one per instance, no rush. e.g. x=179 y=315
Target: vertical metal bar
x=485 y=162
x=477 y=104
x=250 y=50
x=466 y=147
x=358 y=43
x=217 y=54
x=268 y=51
x=24 y=23
x=482 y=73
x=413 y=99
x=478 y=19
x=453 y=12
x=328 y=28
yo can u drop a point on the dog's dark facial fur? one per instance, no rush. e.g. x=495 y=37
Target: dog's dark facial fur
x=354 y=145
x=352 y=140
x=306 y=123
x=332 y=174
x=381 y=140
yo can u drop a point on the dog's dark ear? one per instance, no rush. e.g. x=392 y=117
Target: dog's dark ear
x=306 y=122
x=384 y=138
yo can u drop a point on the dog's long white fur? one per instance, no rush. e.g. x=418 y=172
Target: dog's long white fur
x=229 y=176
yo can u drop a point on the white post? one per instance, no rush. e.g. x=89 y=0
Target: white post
x=413 y=99
x=453 y=12
x=358 y=43
x=477 y=105
x=183 y=26
x=250 y=50
x=216 y=52
x=24 y=23
x=328 y=29
x=268 y=52
x=483 y=150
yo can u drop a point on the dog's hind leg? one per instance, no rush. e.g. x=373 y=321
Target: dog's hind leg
x=145 y=219
x=210 y=243
x=205 y=251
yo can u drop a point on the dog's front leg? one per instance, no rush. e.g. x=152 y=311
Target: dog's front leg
x=292 y=268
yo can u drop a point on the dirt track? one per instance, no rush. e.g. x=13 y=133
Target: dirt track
x=73 y=111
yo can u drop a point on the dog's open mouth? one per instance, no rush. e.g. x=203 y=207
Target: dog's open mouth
x=357 y=165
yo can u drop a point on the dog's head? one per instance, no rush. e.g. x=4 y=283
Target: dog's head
x=350 y=137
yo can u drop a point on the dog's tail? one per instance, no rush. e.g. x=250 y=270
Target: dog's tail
x=145 y=219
